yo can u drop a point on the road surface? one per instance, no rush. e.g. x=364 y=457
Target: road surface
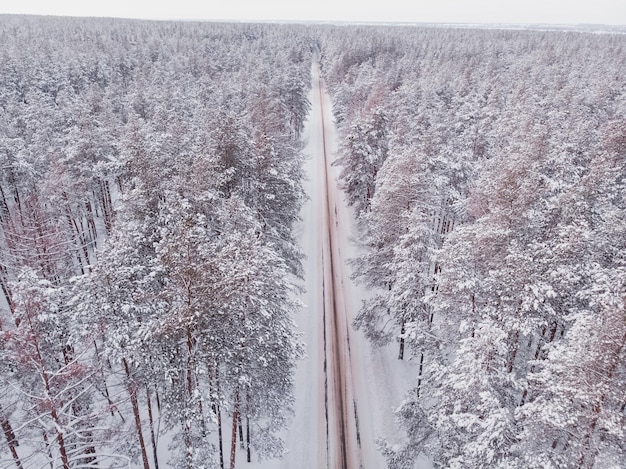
x=341 y=412
x=345 y=391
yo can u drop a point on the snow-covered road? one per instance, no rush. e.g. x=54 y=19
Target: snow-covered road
x=341 y=410
x=345 y=390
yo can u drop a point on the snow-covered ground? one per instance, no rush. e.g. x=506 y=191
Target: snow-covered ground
x=374 y=378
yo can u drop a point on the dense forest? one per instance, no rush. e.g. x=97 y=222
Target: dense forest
x=151 y=178
x=488 y=173
x=151 y=172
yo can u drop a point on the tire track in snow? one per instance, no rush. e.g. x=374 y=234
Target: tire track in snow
x=342 y=453
x=325 y=361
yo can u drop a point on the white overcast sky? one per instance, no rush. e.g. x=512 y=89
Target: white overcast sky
x=611 y=12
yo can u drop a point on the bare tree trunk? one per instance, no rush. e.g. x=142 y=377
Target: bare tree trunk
x=92 y=224
x=16 y=193
x=240 y=426
x=419 y=375
x=473 y=314
x=187 y=423
x=233 y=441
x=4 y=207
x=401 y=353
x=248 y=439
x=152 y=435
x=60 y=439
x=189 y=362
x=10 y=436
x=4 y=284
x=83 y=243
x=218 y=413
x=133 y=399
x=219 y=434
x=248 y=429
x=47 y=442
x=107 y=205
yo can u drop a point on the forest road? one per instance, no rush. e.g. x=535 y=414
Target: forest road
x=343 y=440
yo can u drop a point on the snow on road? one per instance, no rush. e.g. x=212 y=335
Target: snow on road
x=345 y=389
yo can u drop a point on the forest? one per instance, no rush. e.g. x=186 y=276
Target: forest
x=151 y=182
x=488 y=173
x=151 y=172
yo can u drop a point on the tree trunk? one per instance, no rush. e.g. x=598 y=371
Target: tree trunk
x=152 y=435
x=4 y=207
x=187 y=422
x=248 y=436
x=133 y=399
x=48 y=450
x=473 y=314
x=106 y=393
x=92 y=225
x=4 y=284
x=77 y=410
x=401 y=353
x=536 y=356
x=83 y=243
x=10 y=436
x=233 y=441
x=107 y=205
x=218 y=411
x=240 y=426
x=189 y=362
x=60 y=439
x=419 y=375
x=514 y=341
